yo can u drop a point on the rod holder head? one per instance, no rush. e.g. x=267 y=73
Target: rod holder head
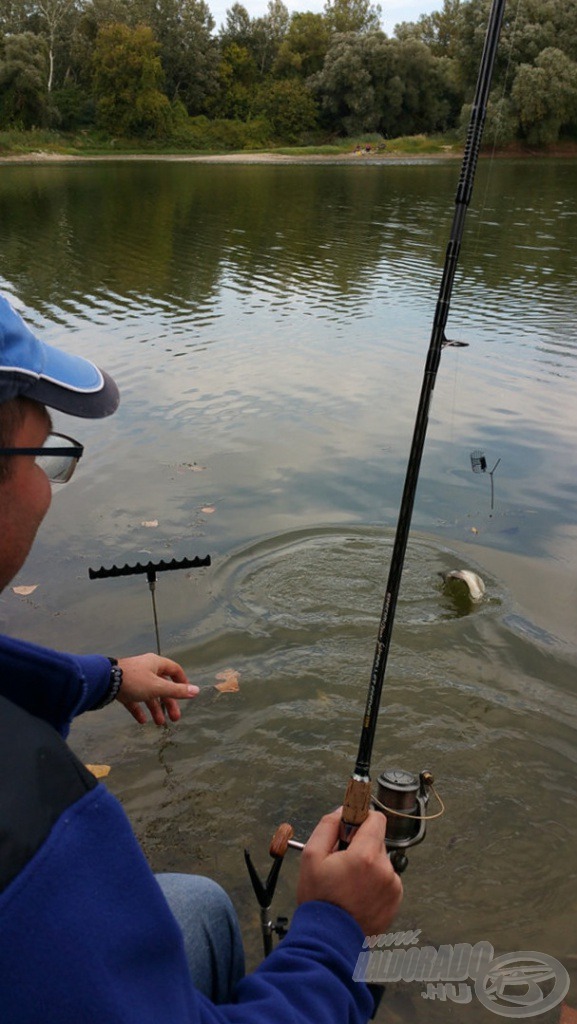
x=478 y=462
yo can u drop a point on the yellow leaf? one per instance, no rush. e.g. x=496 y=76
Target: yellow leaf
x=229 y=681
x=150 y=522
x=208 y=509
x=99 y=770
x=24 y=591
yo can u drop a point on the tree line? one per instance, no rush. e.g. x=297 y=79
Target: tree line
x=160 y=70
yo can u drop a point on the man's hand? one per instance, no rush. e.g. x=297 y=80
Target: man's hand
x=360 y=879
x=158 y=683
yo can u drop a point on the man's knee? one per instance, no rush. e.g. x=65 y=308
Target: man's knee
x=197 y=895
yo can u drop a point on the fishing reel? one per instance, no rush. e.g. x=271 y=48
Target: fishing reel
x=403 y=796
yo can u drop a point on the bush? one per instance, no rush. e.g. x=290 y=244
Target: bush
x=501 y=124
x=289 y=108
x=200 y=133
x=74 y=108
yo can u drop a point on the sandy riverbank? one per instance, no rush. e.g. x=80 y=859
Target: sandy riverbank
x=223 y=158
x=562 y=150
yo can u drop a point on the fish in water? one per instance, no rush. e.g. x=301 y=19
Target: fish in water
x=472 y=580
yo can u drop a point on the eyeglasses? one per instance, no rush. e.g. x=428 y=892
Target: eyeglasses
x=57 y=457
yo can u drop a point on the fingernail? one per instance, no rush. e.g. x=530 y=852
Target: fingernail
x=193 y=690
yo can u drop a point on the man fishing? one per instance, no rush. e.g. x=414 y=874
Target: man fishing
x=88 y=934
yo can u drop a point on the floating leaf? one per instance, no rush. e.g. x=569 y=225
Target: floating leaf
x=24 y=591
x=228 y=681
x=150 y=522
x=208 y=510
x=100 y=771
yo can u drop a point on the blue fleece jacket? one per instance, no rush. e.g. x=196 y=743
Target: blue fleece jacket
x=86 y=936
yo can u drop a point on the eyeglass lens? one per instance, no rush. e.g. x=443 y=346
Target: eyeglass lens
x=58 y=468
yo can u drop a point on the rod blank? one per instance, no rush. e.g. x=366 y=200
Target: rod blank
x=360 y=779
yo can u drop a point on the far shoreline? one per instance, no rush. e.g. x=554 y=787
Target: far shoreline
x=356 y=157
x=43 y=157
x=567 y=151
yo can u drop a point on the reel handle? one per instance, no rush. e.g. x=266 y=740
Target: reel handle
x=279 y=843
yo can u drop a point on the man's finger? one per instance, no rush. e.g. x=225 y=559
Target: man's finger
x=323 y=838
x=172 y=669
x=172 y=709
x=372 y=831
x=178 y=691
x=137 y=713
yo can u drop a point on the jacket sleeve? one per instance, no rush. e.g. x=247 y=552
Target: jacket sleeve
x=50 y=685
x=309 y=976
x=87 y=935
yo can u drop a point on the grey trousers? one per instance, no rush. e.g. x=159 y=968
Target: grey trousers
x=211 y=933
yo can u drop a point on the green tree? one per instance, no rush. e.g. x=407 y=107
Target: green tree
x=237 y=78
x=237 y=27
x=262 y=37
x=52 y=14
x=545 y=95
x=439 y=30
x=501 y=123
x=90 y=17
x=188 y=50
x=128 y=78
x=304 y=47
x=268 y=34
x=289 y=109
x=352 y=15
x=344 y=87
x=373 y=84
x=117 y=12
x=15 y=16
x=528 y=29
x=23 y=91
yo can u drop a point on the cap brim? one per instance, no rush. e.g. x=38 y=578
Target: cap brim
x=30 y=368
x=74 y=385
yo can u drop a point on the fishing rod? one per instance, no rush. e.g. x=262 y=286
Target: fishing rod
x=358 y=793
x=401 y=794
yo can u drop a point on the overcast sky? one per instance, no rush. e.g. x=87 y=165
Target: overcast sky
x=394 y=11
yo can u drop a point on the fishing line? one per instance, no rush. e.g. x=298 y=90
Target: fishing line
x=495 y=130
x=475 y=241
x=414 y=817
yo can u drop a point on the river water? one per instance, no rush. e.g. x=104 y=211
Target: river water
x=268 y=326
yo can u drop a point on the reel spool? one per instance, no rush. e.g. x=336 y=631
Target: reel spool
x=403 y=797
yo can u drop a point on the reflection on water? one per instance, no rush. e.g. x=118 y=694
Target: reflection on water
x=268 y=327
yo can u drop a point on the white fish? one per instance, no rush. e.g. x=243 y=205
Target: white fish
x=473 y=581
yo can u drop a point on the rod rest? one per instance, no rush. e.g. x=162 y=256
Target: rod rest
x=150 y=568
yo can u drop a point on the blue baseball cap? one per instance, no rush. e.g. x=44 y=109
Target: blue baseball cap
x=29 y=368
